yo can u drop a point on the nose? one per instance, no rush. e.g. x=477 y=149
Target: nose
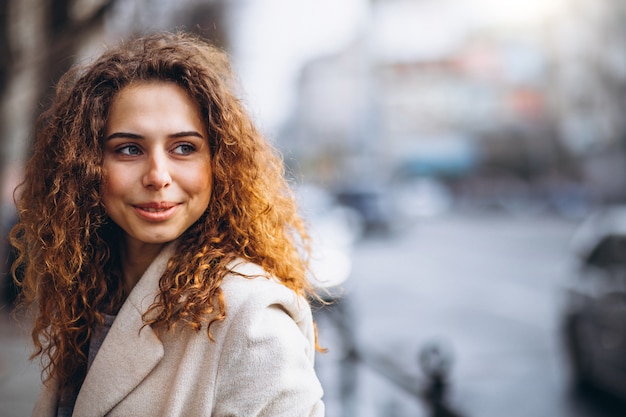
x=157 y=174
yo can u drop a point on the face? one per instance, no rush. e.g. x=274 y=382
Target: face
x=157 y=162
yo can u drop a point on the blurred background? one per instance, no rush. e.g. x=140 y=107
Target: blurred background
x=462 y=167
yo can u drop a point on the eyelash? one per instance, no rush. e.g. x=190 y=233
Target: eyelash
x=190 y=148
x=125 y=149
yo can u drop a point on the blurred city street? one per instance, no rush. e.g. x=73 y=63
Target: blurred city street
x=487 y=287
x=482 y=131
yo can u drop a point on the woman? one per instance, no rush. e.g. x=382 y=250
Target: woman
x=162 y=246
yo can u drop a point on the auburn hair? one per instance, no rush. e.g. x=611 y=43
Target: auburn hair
x=67 y=263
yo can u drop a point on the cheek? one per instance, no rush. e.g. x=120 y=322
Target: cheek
x=202 y=183
x=204 y=186
x=112 y=188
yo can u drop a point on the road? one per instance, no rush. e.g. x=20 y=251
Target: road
x=486 y=287
x=19 y=378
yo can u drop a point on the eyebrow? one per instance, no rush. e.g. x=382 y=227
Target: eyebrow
x=136 y=136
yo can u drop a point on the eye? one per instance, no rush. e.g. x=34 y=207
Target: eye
x=130 y=150
x=184 y=149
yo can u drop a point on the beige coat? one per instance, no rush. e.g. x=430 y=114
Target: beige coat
x=261 y=363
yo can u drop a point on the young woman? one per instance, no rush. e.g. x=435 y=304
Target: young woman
x=161 y=245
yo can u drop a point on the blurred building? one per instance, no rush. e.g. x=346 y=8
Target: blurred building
x=533 y=108
x=588 y=58
x=429 y=88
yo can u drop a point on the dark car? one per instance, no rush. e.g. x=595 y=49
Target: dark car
x=373 y=205
x=594 y=310
x=8 y=289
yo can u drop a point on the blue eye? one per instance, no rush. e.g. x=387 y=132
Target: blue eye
x=184 y=149
x=131 y=150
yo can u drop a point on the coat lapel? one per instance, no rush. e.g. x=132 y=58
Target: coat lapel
x=130 y=350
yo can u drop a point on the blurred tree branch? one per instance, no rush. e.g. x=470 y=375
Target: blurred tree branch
x=39 y=41
x=65 y=36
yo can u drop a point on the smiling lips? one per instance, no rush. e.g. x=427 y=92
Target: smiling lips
x=156 y=211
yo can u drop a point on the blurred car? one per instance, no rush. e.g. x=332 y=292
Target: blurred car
x=421 y=197
x=594 y=309
x=373 y=205
x=8 y=289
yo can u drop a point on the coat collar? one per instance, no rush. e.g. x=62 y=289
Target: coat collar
x=130 y=350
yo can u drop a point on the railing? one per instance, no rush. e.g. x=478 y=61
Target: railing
x=435 y=360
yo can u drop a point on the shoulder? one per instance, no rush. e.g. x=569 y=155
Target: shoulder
x=267 y=341
x=264 y=318
x=249 y=287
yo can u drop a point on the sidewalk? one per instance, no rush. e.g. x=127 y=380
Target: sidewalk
x=19 y=378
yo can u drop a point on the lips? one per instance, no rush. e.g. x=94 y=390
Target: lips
x=156 y=211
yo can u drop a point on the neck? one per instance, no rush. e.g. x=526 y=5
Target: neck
x=135 y=259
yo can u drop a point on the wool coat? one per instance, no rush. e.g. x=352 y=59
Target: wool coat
x=259 y=364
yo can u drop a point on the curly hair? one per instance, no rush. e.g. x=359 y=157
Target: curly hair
x=66 y=241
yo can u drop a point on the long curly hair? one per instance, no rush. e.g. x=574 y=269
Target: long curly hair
x=66 y=242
